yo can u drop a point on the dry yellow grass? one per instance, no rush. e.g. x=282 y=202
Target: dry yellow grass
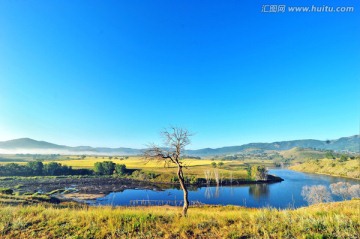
x=350 y=168
x=332 y=220
x=131 y=162
x=194 y=167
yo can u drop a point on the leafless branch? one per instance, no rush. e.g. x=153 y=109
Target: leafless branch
x=175 y=141
x=156 y=153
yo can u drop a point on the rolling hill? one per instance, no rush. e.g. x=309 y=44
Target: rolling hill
x=349 y=144
x=31 y=146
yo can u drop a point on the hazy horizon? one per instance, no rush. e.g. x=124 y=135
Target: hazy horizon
x=188 y=148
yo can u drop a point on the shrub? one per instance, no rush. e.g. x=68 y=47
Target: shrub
x=193 y=180
x=104 y=168
x=174 y=179
x=258 y=173
x=343 y=158
x=36 y=167
x=151 y=175
x=120 y=169
x=7 y=191
x=329 y=155
x=137 y=174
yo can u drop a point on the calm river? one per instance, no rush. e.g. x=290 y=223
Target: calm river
x=279 y=195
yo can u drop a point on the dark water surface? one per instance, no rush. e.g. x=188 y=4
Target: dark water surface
x=279 y=195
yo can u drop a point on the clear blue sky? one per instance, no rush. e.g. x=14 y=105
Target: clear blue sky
x=114 y=73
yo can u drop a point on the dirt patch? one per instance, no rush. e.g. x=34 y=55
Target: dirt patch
x=92 y=186
x=82 y=196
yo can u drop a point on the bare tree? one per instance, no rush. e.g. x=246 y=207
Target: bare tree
x=316 y=194
x=217 y=177
x=175 y=141
x=345 y=190
x=208 y=175
x=354 y=191
x=341 y=189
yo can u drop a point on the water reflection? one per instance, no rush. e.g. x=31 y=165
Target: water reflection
x=283 y=194
x=209 y=192
x=258 y=191
x=217 y=191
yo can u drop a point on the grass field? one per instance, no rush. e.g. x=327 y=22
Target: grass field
x=331 y=220
x=194 y=167
x=155 y=171
x=131 y=162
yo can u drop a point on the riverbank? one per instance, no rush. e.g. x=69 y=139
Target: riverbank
x=325 y=174
x=83 y=185
x=331 y=167
x=81 y=189
x=330 y=220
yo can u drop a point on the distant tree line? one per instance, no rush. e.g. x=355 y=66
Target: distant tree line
x=190 y=157
x=38 y=168
x=342 y=157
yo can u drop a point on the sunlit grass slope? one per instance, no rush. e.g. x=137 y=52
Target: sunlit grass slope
x=350 y=168
x=302 y=154
x=332 y=220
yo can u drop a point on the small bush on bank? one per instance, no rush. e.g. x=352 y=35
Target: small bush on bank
x=7 y=191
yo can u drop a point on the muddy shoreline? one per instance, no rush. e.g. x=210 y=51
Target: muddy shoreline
x=90 y=185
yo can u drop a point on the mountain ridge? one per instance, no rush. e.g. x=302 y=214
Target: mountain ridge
x=28 y=145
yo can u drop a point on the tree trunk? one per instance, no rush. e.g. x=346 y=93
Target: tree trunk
x=183 y=187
